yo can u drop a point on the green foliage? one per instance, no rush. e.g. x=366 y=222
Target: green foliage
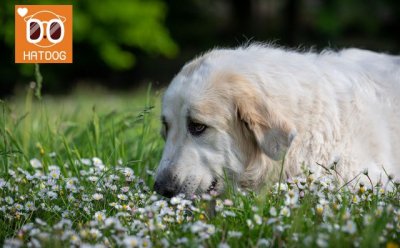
x=334 y=18
x=114 y=29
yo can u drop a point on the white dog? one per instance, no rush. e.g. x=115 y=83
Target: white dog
x=244 y=110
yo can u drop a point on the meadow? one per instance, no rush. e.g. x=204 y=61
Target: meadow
x=78 y=170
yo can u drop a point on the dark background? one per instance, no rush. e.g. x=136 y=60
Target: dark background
x=126 y=44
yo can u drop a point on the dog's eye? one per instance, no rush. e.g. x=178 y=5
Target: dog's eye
x=196 y=128
x=164 y=130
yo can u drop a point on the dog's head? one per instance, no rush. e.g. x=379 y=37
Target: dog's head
x=215 y=121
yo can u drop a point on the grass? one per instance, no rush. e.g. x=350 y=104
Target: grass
x=78 y=170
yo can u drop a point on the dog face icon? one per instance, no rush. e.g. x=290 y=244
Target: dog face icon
x=43 y=34
x=45 y=28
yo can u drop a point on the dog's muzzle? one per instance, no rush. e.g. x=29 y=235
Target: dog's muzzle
x=165 y=184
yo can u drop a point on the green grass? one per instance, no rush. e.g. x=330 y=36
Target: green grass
x=82 y=190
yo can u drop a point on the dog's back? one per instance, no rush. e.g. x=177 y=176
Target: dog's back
x=374 y=128
x=344 y=103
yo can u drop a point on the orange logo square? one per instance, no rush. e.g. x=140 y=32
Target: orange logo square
x=43 y=33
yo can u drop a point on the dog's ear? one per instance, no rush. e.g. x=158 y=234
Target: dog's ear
x=272 y=131
x=273 y=141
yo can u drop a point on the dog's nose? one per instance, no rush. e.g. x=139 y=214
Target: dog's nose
x=165 y=184
x=164 y=189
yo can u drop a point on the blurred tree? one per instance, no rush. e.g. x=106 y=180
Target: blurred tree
x=110 y=26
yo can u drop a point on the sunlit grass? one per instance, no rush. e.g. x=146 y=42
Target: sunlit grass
x=78 y=170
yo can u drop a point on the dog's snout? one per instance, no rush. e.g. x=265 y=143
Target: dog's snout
x=164 y=190
x=165 y=185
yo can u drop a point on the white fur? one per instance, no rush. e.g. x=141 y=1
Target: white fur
x=260 y=102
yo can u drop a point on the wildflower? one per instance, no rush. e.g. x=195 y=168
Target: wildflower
x=228 y=202
x=11 y=173
x=2 y=183
x=291 y=198
x=257 y=219
x=52 y=154
x=74 y=239
x=153 y=198
x=295 y=237
x=71 y=198
x=249 y=223
x=9 y=200
x=30 y=206
x=114 y=177
x=234 y=234
x=128 y=173
x=179 y=218
x=319 y=209
x=70 y=184
x=285 y=211
x=346 y=215
x=125 y=207
x=110 y=221
x=54 y=174
x=206 y=197
x=100 y=216
x=389 y=208
x=113 y=187
x=367 y=220
x=210 y=229
x=301 y=183
x=322 y=240
x=213 y=193
x=389 y=226
x=161 y=204
x=183 y=240
x=263 y=243
x=66 y=214
x=272 y=211
x=350 y=227
x=93 y=178
x=97 y=196
x=379 y=211
x=397 y=214
x=355 y=199
x=228 y=213
x=95 y=233
x=175 y=200
x=310 y=179
x=56 y=208
x=199 y=226
x=97 y=161
x=40 y=222
x=122 y=197
x=86 y=161
x=124 y=189
x=18 y=206
x=223 y=245
x=35 y=163
x=13 y=243
x=219 y=206
x=361 y=189
x=365 y=171
x=281 y=186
